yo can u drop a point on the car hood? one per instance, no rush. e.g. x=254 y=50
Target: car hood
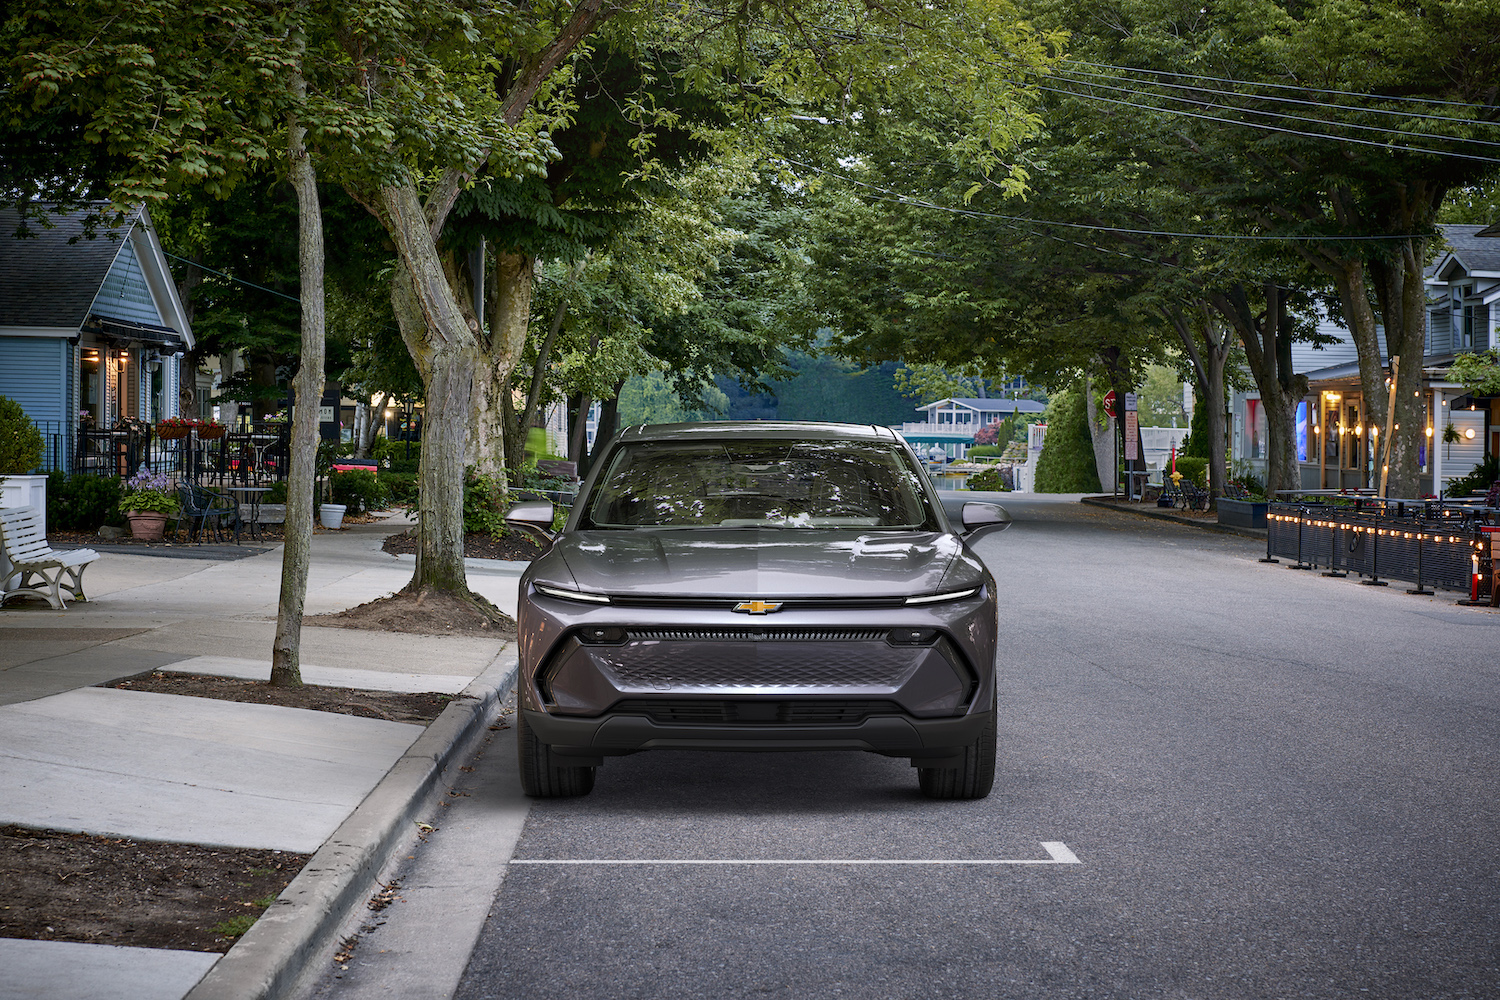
x=757 y=562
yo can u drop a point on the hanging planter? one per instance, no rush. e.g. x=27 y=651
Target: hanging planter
x=210 y=430
x=174 y=428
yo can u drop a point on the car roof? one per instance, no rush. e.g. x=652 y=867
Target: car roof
x=784 y=429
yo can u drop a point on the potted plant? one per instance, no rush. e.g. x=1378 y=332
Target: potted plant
x=175 y=428
x=147 y=502
x=210 y=430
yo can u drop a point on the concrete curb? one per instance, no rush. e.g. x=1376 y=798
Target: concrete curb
x=273 y=955
x=1161 y=515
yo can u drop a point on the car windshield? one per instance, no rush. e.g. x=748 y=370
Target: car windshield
x=768 y=483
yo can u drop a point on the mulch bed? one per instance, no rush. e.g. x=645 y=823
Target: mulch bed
x=477 y=545
x=431 y=613
x=392 y=706
x=112 y=890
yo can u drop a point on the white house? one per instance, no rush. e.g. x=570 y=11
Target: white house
x=952 y=423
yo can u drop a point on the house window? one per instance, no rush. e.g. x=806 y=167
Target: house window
x=1463 y=318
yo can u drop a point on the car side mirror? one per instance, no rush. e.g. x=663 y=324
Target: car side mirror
x=981 y=519
x=534 y=516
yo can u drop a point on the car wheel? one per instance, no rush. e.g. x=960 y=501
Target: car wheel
x=973 y=779
x=541 y=776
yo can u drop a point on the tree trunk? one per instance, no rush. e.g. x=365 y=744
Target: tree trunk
x=1268 y=350
x=1400 y=289
x=367 y=416
x=578 y=436
x=518 y=425
x=445 y=351
x=1102 y=433
x=1207 y=345
x=286 y=668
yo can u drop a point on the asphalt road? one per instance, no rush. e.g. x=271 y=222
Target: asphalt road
x=1274 y=784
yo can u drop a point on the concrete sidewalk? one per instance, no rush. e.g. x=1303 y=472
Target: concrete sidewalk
x=80 y=758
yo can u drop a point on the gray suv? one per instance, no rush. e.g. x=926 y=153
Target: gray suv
x=758 y=586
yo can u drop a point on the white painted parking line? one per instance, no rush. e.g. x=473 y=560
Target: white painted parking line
x=1057 y=851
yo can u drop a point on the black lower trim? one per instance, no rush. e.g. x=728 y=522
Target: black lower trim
x=891 y=735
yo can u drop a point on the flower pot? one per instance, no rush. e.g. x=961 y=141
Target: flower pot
x=332 y=515
x=173 y=433
x=210 y=433
x=147 y=525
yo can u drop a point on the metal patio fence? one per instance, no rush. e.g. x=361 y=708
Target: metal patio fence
x=1428 y=543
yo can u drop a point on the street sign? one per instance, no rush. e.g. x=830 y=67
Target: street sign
x=1109 y=402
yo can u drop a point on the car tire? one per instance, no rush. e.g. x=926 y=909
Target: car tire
x=973 y=779
x=541 y=776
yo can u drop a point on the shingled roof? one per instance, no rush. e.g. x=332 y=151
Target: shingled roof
x=1468 y=250
x=50 y=278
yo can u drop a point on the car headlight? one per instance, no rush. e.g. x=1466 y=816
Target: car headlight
x=570 y=595
x=947 y=595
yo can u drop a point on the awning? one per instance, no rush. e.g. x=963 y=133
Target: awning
x=120 y=331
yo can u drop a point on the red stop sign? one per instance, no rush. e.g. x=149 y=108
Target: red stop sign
x=1109 y=402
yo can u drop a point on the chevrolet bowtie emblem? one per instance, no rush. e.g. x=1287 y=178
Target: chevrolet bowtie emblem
x=758 y=607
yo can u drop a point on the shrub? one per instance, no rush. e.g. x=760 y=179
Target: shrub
x=358 y=491
x=402 y=486
x=1478 y=480
x=1066 y=464
x=1199 y=441
x=484 y=504
x=277 y=493
x=21 y=444
x=393 y=454
x=1194 y=470
x=994 y=478
x=981 y=450
x=82 y=503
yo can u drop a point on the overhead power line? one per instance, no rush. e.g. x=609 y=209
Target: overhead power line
x=1119 y=76
x=906 y=199
x=1276 y=128
x=1286 y=116
x=230 y=277
x=1275 y=86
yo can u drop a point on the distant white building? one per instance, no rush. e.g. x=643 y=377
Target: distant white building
x=952 y=423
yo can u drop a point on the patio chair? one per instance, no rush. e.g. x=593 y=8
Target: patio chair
x=204 y=508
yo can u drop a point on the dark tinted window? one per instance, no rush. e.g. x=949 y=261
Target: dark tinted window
x=769 y=483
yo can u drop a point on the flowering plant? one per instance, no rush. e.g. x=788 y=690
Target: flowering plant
x=147 y=490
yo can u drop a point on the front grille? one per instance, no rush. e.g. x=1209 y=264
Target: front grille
x=705 y=665
x=796 y=712
x=756 y=634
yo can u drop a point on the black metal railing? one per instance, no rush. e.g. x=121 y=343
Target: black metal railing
x=252 y=454
x=1429 y=543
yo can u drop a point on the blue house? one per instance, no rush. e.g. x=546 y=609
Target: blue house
x=91 y=328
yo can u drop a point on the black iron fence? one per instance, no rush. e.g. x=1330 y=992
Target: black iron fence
x=253 y=454
x=1428 y=543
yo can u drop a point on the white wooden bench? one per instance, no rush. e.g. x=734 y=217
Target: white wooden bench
x=27 y=555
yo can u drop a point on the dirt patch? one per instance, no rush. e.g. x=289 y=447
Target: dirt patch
x=144 y=894
x=392 y=706
x=477 y=545
x=433 y=613
x=110 y=890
